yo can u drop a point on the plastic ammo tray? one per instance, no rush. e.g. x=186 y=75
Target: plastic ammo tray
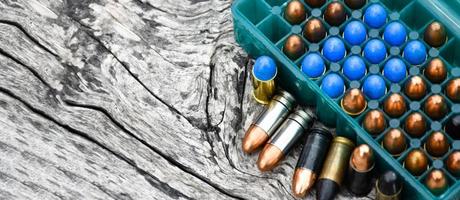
x=260 y=29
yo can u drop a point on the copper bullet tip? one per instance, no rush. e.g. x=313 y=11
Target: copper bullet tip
x=416 y=162
x=362 y=158
x=335 y=14
x=436 y=107
x=314 y=30
x=453 y=163
x=315 y=3
x=394 y=142
x=453 y=90
x=437 y=144
x=394 y=105
x=294 y=47
x=415 y=124
x=302 y=182
x=436 y=181
x=415 y=88
x=374 y=122
x=269 y=158
x=435 y=34
x=254 y=138
x=436 y=71
x=355 y=4
x=354 y=102
x=295 y=12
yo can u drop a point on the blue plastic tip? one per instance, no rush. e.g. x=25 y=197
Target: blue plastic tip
x=395 y=70
x=374 y=87
x=395 y=34
x=355 y=33
x=354 y=68
x=375 y=51
x=333 y=85
x=264 y=68
x=313 y=65
x=334 y=49
x=375 y=16
x=415 y=52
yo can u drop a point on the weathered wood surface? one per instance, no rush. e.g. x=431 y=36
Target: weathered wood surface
x=127 y=99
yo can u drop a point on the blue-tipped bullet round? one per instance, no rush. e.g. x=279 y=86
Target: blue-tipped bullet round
x=415 y=52
x=354 y=68
x=395 y=70
x=313 y=65
x=264 y=68
x=355 y=33
x=334 y=49
x=374 y=87
x=333 y=85
x=375 y=16
x=375 y=51
x=395 y=34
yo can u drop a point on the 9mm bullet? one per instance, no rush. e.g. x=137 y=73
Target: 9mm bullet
x=388 y=186
x=268 y=121
x=311 y=161
x=334 y=168
x=284 y=139
x=295 y=12
x=436 y=182
x=360 y=170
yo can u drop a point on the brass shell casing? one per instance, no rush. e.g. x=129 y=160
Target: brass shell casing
x=263 y=90
x=337 y=160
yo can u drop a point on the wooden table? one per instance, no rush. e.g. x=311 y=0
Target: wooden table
x=127 y=99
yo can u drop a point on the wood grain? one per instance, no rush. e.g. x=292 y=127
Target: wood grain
x=127 y=99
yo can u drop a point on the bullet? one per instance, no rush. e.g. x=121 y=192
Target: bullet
x=388 y=186
x=315 y=3
x=435 y=34
x=374 y=122
x=311 y=161
x=294 y=47
x=453 y=163
x=334 y=168
x=453 y=127
x=355 y=4
x=268 y=121
x=353 y=102
x=354 y=68
x=334 y=49
x=453 y=90
x=360 y=170
x=284 y=139
x=263 y=75
x=395 y=70
x=395 y=105
x=314 y=30
x=394 y=142
x=415 y=124
x=436 y=71
x=416 y=162
x=415 y=88
x=375 y=51
x=374 y=87
x=355 y=33
x=295 y=12
x=436 y=107
x=335 y=14
x=375 y=16
x=415 y=52
x=395 y=34
x=313 y=65
x=436 y=182
x=437 y=144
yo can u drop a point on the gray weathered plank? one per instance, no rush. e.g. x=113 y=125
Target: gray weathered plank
x=158 y=90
